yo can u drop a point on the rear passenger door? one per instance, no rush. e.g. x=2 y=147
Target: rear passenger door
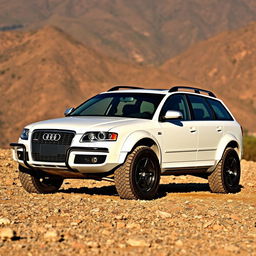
x=209 y=130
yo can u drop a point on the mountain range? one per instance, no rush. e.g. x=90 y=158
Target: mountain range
x=44 y=69
x=142 y=31
x=225 y=64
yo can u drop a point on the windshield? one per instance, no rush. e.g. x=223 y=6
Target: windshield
x=135 y=105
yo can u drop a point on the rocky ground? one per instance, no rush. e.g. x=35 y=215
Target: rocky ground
x=88 y=218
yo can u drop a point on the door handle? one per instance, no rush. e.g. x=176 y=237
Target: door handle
x=192 y=129
x=219 y=129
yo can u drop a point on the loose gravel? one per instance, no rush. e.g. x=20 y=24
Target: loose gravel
x=87 y=217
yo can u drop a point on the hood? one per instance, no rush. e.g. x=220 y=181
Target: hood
x=81 y=124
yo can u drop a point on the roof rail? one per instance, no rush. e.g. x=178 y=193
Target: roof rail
x=116 y=88
x=196 y=90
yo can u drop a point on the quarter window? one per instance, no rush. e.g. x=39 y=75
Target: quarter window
x=200 y=107
x=220 y=111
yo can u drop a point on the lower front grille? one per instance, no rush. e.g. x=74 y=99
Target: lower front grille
x=51 y=145
x=46 y=157
x=89 y=159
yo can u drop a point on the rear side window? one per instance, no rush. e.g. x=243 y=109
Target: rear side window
x=220 y=111
x=200 y=108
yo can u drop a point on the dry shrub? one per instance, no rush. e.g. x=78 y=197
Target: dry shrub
x=249 y=147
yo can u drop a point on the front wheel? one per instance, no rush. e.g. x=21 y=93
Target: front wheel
x=139 y=176
x=226 y=176
x=39 y=183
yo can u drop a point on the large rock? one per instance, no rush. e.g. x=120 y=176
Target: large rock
x=4 y=221
x=137 y=242
x=7 y=233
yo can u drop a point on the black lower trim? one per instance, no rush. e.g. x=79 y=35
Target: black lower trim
x=94 y=149
x=186 y=170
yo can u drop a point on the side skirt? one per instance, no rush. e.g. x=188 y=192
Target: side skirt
x=196 y=171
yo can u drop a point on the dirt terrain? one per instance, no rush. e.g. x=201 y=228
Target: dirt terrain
x=88 y=218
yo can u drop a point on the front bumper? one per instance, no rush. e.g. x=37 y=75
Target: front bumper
x=111 y=160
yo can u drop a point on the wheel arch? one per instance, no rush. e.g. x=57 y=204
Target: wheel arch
x=150 y=143
x=141 y=138
x=228 y=141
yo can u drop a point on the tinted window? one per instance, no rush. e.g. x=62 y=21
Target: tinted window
x=138 y=105
x=97 y=109
x=176 y=102
x=200 y=107
x=220 y=111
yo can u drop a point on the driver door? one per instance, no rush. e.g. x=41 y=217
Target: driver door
x=179 y=137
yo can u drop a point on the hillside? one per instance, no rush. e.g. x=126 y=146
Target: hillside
x=45 y=71
x=226 y=64
x=136 y=30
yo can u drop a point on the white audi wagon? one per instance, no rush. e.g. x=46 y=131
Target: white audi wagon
x=131 y=136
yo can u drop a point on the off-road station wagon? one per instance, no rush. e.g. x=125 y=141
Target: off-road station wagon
x=132 y=136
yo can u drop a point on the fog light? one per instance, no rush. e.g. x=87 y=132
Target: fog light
x=20 y=155
x=94 y=160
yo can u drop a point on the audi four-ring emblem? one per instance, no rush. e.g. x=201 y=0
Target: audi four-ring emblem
x=51 y=136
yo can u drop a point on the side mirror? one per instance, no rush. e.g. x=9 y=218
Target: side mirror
x=172 y=114
x=68 y=111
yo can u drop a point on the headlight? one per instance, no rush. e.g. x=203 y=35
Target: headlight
x=99 y=136
x=24 y=134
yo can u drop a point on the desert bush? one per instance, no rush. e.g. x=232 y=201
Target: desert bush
x=249 y=147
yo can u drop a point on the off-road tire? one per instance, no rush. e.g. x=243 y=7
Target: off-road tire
x=39 y=184
x=136 y=180
x=226 y=176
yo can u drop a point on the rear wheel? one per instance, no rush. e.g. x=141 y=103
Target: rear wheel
x=226 y=176
x=139 y=176
x=39 y=183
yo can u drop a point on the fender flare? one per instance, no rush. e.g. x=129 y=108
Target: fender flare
x=133 y=139
x=223 y=144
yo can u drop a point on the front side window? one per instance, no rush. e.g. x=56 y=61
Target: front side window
x=135 y=105
x=176 y=102
x=200 y=108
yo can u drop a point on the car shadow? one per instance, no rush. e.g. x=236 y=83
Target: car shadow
x=164 y=189
x=105 y=190
x=183 y=188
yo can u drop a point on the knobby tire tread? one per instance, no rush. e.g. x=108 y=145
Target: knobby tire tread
x=32 y=184
x=216 y=178
x=122 y=177
x=28 y=183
